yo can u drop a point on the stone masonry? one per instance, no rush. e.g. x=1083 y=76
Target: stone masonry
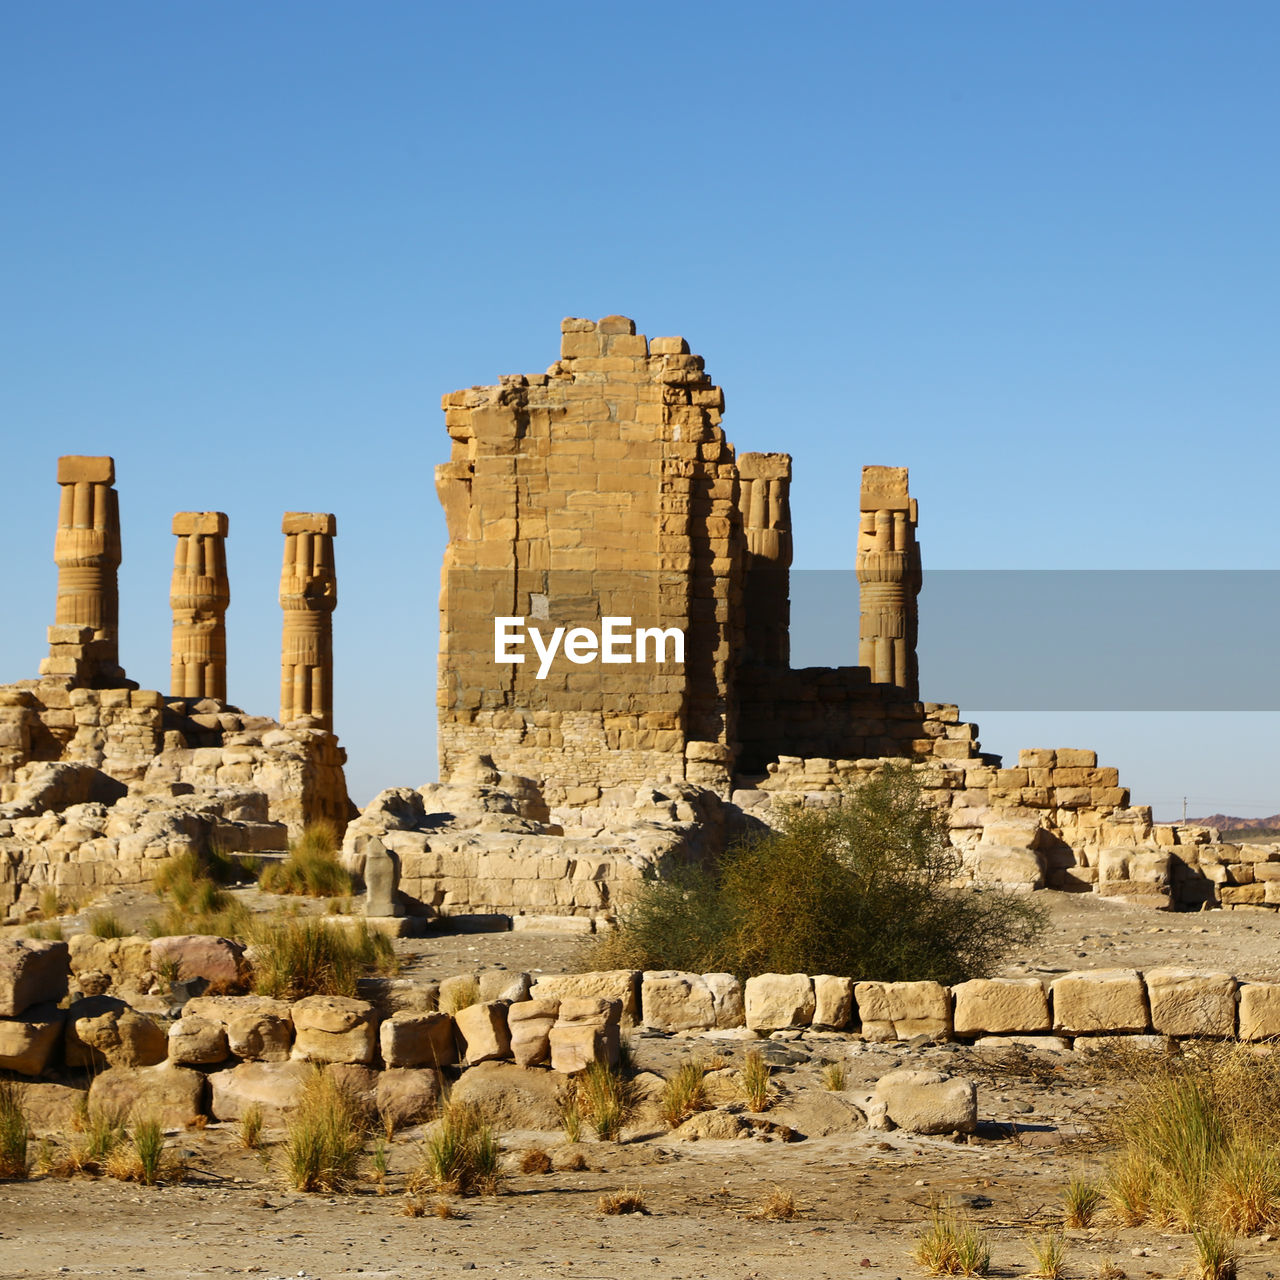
x=199 y=596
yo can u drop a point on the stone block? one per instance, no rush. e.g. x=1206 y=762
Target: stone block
x=407 y=1095
x=1259 y=1012
x=117 y=1035
x=901 y=1010
x=622 y=985
x=726 y=1000
x=218 y=960
x=502 y=984
x=27 y=1044
x=833 y=1001
x=929 y=1101
x=258 y=1028
x=576 y=1046
x=1000 y=1006
x=777 y=1001
x=675 y=1001
x=530 y=1024
x=275 y=1087
x=31 y=972
x=173 y=1095
x=334 y=1029
x=196 y=1041
x=484 y=1033
x=1186 y=1003
x=1100 y=1001
x=418 y=1040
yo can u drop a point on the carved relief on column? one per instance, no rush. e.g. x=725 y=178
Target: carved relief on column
x=888 y=568
x=308 y=594
x=199 y=595
x=764 y=485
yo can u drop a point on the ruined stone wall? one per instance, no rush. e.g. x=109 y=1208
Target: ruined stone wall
x=604 y=487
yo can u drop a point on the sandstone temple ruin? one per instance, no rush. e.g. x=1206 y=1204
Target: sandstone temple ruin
x=99 y=778
x=614 y=689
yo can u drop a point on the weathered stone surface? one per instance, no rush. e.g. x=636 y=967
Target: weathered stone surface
x=1000 y=1006
x=196 y=1041
x=530 y=1024
x=484 y=1033
x=360 y=1084
x=674 y=1001
x=501 y=984
x=1106 y=1001
x=727 y=1000
x=1259 y=1012
x=408 y=1095
x=31 y=972
x=775 y=1001
x=589 y=1011
x=575 y=1046
x=198 y=595
x=513 y=1097
x=334 y=1029
x=27 y=1044
x=929 y=1101
x=51 y=1108
x=418 y=1040
x=126 y=961
x=199 y=956
x=308 y=595
x=901 y=1010
x=174 y=1095
x=711 y=1126
x=833 y=1001
x=276 y=1087
x=257 y=1027
x=1187 y=1003
x=121 y=1037
x=622 y=985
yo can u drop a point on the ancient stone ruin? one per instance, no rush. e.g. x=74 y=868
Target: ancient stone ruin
x=605 y=491
x=99 y=778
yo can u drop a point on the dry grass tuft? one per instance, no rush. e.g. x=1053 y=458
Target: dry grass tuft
x=1081 y=1199
x=460 y=1155
x=535 y=1160
x=606 y=1098
x=312 y=867
x=778 y=1206
x=461 y=995
x=323 y=1138
x=625 y=1201
x=1216 y=1257
x=15 y=1132
x=684 y=1094
x=835 y=1077
x=297 y=957
x=1107 y=1270
x=952 y=1246
x=753 y=1080
x=1049 y=1253
x=249 y=1130
x=106 y=924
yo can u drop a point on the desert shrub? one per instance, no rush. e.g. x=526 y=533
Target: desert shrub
x=535 y=1160
x=684 y=1093
x=607 y=1099
x=323 y=1138
x=297 y=957
x=813 y=896
x=250 y=1127
x=625 y=1201
x=778 y=1206
x=460 y=1155
x=952 y=1246
x=461 y=995
x=15 y=1133
x=312 y=866
x=1196 y=1139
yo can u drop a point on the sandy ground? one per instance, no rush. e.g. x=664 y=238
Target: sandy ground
x=862 y=1195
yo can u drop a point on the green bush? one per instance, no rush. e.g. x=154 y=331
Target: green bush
x=864 y=889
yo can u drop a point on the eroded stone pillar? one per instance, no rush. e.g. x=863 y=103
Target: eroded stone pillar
x=764 y=501
x=199 y=595
x=888 y=568
x=308 y=594
x=85 y=639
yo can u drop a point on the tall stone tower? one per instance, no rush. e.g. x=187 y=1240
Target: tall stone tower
x=199 y=595
x=888 y=568
x=308 y=595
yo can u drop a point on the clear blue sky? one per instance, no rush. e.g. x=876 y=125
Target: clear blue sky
x=1027 y=250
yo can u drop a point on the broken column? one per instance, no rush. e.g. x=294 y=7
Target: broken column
x=84 y=642
x=888 y=568
x=764 y=502
x=308 y=594
x=199 y=595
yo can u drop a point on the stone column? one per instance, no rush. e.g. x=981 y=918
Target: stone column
x=87 y=552
x=308 y=594
x=199 y=595
x=764 y=486
x=888 y=567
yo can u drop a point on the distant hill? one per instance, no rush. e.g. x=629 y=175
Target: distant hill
x=1224 y=822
